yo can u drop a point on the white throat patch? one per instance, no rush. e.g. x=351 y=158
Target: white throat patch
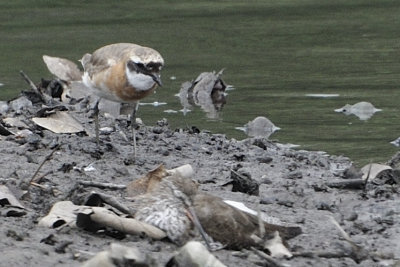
x=140 y=81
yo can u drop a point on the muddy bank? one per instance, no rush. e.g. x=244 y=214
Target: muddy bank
x=291 y=185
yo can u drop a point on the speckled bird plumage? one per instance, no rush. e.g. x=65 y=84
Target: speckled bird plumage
x=165 y=206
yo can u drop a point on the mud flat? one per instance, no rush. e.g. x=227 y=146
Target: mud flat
x=298 y=187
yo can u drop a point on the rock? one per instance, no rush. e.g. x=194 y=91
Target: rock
x=294 y=175
x=196 y=255
x=119 y=255
x=20 y=103
x=242 y=182
x=3 y=107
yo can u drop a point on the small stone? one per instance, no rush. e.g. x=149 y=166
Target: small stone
x=158 y=130
x=194 y=254
x=265 y=160
x=265 y=180
x=267 y=200
x=3 y=107
x=294 y=175
x=20 y=103
x=285 y=202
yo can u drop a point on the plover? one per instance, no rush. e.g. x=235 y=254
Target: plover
x=122 y=72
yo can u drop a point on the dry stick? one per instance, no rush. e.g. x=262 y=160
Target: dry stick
x=103 y=185
x=39 y=179
x=41 y=165
x=197 y=223
x=43 y=97
x=260 y=222
x=31 y=84
x=369 y=172
x=112 y=201
x=271 y=261
x=358 y=253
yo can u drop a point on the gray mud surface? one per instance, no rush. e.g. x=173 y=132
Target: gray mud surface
x=292 y=188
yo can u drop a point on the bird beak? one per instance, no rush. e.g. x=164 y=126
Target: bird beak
x=157 y=79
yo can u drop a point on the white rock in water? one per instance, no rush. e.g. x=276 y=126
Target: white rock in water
x=363 y=110
x=396 y=142
x=259 y=127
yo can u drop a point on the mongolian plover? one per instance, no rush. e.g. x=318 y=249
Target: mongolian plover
x=124 y=73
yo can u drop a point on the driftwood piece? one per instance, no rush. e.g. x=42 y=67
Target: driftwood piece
x=106 y=218
x=348 y=184
x=110 y=186
x=96 y=198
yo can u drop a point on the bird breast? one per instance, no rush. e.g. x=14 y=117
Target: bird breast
x=114 y=84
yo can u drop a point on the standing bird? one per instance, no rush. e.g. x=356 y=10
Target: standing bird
x=123 y=73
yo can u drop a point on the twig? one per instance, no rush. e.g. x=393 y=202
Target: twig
x=39 y=179
x=196 y=222
x=112 y=201
x=29 y=81
x=103 y=185
x=41 y=165
x=33 y=86
x=358 y=253
x=43 y=97
x=260 y=222
x=368 y=175
x=271 y=261
x=38 y=185
x=342 y=232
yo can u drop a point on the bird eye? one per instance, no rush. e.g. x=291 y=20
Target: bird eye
x=140 y=65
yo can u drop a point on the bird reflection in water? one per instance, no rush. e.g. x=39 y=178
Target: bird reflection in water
x=207 y=91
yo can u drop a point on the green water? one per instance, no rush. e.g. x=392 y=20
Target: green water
x=274 y=53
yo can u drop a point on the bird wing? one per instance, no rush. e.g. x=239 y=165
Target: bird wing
x=108 y=56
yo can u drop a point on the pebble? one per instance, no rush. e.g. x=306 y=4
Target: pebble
x=194 y=254
x=20 y=103
x=3 y=107
x=264 y=160
x=267 y=200
x=294 y=175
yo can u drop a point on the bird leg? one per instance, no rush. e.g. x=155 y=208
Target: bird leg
x=134 y=126
x=96 y=121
